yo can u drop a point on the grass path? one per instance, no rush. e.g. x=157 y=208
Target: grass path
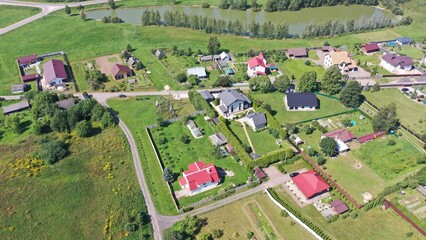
x=248 y=137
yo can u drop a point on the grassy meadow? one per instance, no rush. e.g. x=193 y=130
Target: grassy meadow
x=89 y=193
x=12 y=14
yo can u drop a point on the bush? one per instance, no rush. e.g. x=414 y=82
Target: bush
x=284 y=213
x=185 y=139
x=53 y=151
x=205 y=5
x=354 y=215
x=83 y=129
x=217 y=233
x=391 y=142
x=347 y=122
x=409 y=234
x=249 y=234
x=329 y=146
x=181 y=77
x=321 y=160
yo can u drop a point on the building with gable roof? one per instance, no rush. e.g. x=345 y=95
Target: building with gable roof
x=311 y=184
x=54 y=74
x=199 y=177
x=232 y=101
x=256 y=66
x=342 y=59
x=396 y=64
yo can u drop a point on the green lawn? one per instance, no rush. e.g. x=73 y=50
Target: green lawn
x=12 y=14
x=177 y=155
x=238 y=130
x=411 y=114
x=263 y=141
x=412 y=52
x=374 y=224
x=298 y=67
x=79 y=75
x=373 y=58
x=7 y=136
x=276 y=100
x=57 y=202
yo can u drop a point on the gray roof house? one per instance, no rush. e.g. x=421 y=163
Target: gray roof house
x=209 y=58
x=196 y=132
x=65 y=103
x=20 y=106
x=18 y=88
x=159 y=54
x=301 y=101
x=218 y=139
x=404 y=40
x=232 y=101
x=256 y=120
x=200 y=72
x=206 y=95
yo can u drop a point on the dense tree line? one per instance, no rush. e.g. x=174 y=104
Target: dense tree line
x=295 y=5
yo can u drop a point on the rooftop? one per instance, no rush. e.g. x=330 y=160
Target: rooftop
x=197 y=71
x=256 y=61
x=230 y=96
x=65 y=103
x=199 y=173
x=258 y=118
x=343 y=134
x=298 y=99
x=54 y=69
x=27 y=59
x=310 y=183
x=118 y=68
x=339 y=206
x=16 y=107
x=297 y=52
x=396 y=60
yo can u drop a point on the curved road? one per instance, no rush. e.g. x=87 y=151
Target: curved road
x=46 y=8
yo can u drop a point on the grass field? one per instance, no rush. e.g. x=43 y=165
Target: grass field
x=13 y=14
x=298 y=67
x=58 y=202
x=137 y=115
x=374 y=224
x=263 y=141
x=411 y=114
x=237 y=218
x=276 y=100
x=412 y=52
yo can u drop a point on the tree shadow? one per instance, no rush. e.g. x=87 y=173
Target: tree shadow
x=95 y=131
x=25 y=125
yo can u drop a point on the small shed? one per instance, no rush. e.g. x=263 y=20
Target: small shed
x=216 y=121
x=20 y=106
x=230 y=149
x=65 y=103
x=339 y=206
x=254 y=155
x=159 y=54
x=260 y=174
x=18 y=88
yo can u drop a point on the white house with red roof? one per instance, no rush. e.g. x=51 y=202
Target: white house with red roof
x=256 y=66
x=199 y=177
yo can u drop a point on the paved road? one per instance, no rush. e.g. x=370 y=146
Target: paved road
x=46 y=8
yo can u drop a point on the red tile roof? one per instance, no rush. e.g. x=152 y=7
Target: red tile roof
x=54 y=69
x=117 y=69
x=371 y=136
x=343 y=134
x=371 y=47
x=28 y=78
x=256 y=61
x=259 y=173
x=310 y=183
x=199 y=173
x=27 y=59
x=339 y=206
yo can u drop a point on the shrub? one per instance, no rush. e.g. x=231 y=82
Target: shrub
x=83 y=129
x=185 y=139
x=249 y=234
x=391 y=142
x=284 y=213
x=181 y=77
x=321 y=160
x=205 y=5
x=346 y=122
x=329 y=146
x=217 y=233
x=53 y=151
x=354 y=215
x=409 y=234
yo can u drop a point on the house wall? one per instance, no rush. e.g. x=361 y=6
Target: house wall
x=328 y=61
x=201 y=188
x=251 y=72
x=302 y=108
x=392 y=68
x=236 y=107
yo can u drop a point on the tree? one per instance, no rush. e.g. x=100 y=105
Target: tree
x=260 y=83
x=282 y=83
x=222 y=81
x=83 y=129
x=321 y=160
x=112 y=4
x=213 y=45
x=351 y=95
x=97 y=112
x=67 y=10
x=168 y=175
x=53 y=151
x=14 y=122
x=181 y=77
x=107 y=120
x=185 y=139
x=224 y=4
x=170 y=234
x=331 y=82
x=59 y=122
x=82 y=15
x=376 y=87
x=329 y=146
x=216 y=153
x=40 y=127
x=217 y=233
x=129 y=48
x=385 y=119
x=414 y=95
x=308 y=82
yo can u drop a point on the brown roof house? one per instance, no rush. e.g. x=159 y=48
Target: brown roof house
x=54 y=74
x=297 y=53
x=342 y=59
x=121 y=71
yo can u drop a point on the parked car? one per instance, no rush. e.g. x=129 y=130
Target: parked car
x=404 y=89
x=294 y=174
x=121 y=96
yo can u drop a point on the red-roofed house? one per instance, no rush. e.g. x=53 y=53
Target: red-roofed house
x=311 y=184
x=256 y=66
x=198 y=177
x=27 y=60
x=54 y=74
x=343 y=134
x=120 y=71
x=371 y=136
x=370 y=48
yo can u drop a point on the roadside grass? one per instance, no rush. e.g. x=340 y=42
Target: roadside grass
x=13 y=14
x=298 y=67
x=57 y=202
x=374 y=224
x=412 y=52
x=237 y=218
x=276 y=100
x=411 y=114
x=177 y=155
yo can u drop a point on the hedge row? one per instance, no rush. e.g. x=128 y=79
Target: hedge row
x=296 y=213
x=271 y=158
x=274 y=124
x=200 y=103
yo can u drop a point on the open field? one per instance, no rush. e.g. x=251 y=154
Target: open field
x=73 y=198
x=276 y=100
x=411 y=114
x=12 y=14
x=263 y=141
x=137 y=115
x=239 y=218
x=374 y=224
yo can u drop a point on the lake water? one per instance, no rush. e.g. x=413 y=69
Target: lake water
x=297 y=20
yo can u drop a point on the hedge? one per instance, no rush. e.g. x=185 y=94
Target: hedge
x=200 y=103
x=296 y=213
x=271 y=158
x=273 y=123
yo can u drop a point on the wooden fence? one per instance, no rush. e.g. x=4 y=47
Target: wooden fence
x=401 y=214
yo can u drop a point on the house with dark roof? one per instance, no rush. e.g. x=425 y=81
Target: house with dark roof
x=370 y=48
x=17 y=107
x=256 y=120
x=65 y=103
x=27 y=60
x=301 y=101
x=327 y=48
x=29 y=78
x=256 y=66
x=396 y=64
x=297 y=53
x=199 y=177
x=119 y=71
x=404 y=41
x=18 y=88
x=339 y=206
x=206 y=95
x=232 y=101
x=54 y=74
x=218 y=139
x=159 y=54
x=199 y=72
x=311 y=184
x=371 y=136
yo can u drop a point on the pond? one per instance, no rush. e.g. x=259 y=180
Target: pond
x=297 y=20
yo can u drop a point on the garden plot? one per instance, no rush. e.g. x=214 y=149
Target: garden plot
x=415 y=203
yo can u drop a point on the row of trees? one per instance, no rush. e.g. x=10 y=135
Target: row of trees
x=295 y=5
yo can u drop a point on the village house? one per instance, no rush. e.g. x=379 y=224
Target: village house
x=256 y=66
x=231 y=102
x=370 y=48
x=218 y=139
x=396 y=64
x=342 y=59
x=199 y=72
x=341 y=136
x=54 y=74
x=297 y=53
x=301 y=101
x=255 y=120
x=27 y=60
x=207 y=95
x=17 y=107
x=311 y=184
x=120 y=71
x=199 y=177
x=404 y=41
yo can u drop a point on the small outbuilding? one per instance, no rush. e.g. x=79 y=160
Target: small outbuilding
x=18 y=88
x=339 y=206
x=159 y=54
x=370 y=48
x=27 y=60
x=200 y=72
x=17 y=107
x=29 y=78
x=65 y=103
x=206 y=95
x=297 y=53
x=404 y=41
x=218 y=139
x=260 y=174
x=256 y=120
